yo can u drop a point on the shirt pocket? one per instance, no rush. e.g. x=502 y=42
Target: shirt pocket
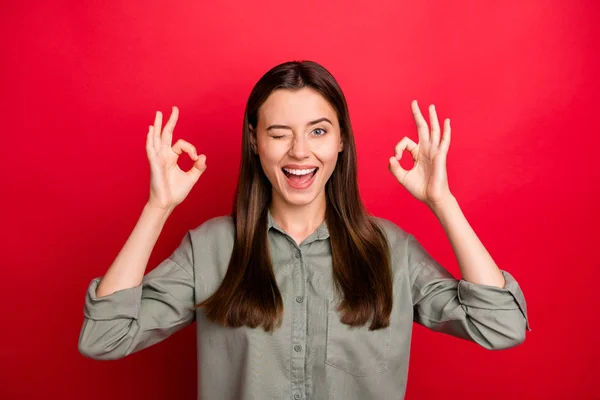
x=355 y=350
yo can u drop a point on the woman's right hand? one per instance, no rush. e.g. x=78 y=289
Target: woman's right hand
x=169 y=185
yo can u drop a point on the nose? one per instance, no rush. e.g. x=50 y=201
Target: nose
x=299 y=148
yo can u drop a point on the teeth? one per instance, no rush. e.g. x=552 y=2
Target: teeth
x=299 y=171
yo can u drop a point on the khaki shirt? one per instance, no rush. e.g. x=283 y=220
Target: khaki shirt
x=312 y=355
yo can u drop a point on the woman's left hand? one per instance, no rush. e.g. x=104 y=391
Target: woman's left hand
x=427 y=180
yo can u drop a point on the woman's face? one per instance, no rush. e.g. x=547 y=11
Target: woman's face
x=298 y=140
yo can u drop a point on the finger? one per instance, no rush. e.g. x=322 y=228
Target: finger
x=396 y=169
x=445 y=144
x=167 y=133
x=150 y=150
x=157 y=128
x=182 y=146
x=422 y=128
x=406 y=144
x=198 y=168
x=435 y=126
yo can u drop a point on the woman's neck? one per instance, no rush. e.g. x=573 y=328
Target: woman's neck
x=299 y=221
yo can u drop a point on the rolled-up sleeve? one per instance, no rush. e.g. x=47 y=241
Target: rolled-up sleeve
x=493 y=317
x=132 y=319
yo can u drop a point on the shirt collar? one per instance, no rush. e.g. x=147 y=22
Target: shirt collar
x=320 y=233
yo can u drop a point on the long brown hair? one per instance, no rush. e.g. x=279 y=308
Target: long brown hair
x=361 y=261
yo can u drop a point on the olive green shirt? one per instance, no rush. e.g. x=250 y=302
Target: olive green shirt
x=312 y=355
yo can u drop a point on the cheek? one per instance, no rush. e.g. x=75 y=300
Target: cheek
x=270 y=157
x=329 y=158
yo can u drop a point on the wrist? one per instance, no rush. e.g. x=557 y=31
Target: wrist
x=161 y=213
x=444 y=205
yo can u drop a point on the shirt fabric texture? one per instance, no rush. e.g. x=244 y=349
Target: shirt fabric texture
x=312 y=355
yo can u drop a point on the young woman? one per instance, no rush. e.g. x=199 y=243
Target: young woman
x=300 y=293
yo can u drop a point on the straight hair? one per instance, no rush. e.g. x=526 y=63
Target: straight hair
x=362 y=276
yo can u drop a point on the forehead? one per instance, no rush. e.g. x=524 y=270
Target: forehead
x=287 y=106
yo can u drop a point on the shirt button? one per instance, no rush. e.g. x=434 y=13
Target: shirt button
x=298 y=254
x=299 y=299
x=297 y=396
x=297 y=348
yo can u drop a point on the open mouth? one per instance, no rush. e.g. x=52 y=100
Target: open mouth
x=300 y=179
x=299 y=173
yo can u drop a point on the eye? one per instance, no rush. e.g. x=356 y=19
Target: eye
x=277 y=137
x=323 y=131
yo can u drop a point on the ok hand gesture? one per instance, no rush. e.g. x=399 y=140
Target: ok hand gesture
x=427 y=180
x=169 y=185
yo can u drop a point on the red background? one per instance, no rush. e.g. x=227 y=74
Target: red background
x=80 y=84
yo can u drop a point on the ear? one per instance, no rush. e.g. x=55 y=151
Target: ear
x=341 y=148
x=253 y=145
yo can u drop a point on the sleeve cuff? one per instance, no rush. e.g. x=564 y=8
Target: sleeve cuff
x=494 y=298
x=123 y=303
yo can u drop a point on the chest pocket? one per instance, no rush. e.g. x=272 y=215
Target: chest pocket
x=355 y=350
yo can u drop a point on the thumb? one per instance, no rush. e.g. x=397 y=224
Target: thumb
x=198 y=168
x=396 y=169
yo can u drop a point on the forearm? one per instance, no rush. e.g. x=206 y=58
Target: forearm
x=475 y=263
x=128 y=269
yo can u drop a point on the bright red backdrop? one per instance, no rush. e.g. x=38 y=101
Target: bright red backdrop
x=80 y=84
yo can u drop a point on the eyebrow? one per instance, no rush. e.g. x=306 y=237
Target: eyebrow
x=316 y=121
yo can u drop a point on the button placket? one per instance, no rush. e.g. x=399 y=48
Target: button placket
x=298 y=337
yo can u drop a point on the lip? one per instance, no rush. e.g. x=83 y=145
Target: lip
x=298 y=166
x=302 y=186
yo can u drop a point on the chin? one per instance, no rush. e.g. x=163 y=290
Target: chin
x=298 y=198
x=295 y=196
